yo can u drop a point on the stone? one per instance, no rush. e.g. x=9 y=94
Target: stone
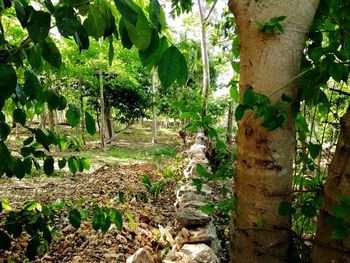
x=191 y=217
x=203 y=234
x=201 y=253
x=190 y=188
x=192 y=253
x=215 y=245
x=191 y=197
x=140 y=256
x=192 y=204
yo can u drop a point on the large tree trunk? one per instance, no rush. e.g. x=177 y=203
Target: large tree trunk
x=268 y=64
x=325 y=248
x=51 y=120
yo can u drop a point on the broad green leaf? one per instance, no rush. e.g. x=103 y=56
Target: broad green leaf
x=151 y=56
x=5 y=241
x=286 y=209
x=73 y=115
x=172 y=66
x=97 y=221
x=85 y=163
x=203 y=172
x=90 y=123
x=126 y=42
x=48 y=165
x=117 y=219
x=235 y=66
x=106 y=224
x=338 y=234
x=51 y=53
x=73 y=165
x=198 y=183
x=39 y=26
x=95 y=23
x=309 y=210
x=27 y=163
x=140 y=34
x=53 y=99
x=341 y=211
x=314 y=149
x=234 y=92
x=32 y=248
x=22 y=13
x=66 y=21
x=84 y=214
x=127 y=10
x=155 y=14
x=14 y=228
x=74 y=218
x=240 y=110
x=81 y=38
x=62 y=163
x=338 y=71
x=4 y=131
x=8 y=80
x=18 y=168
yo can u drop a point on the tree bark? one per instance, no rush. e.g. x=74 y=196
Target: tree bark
x=205 y=59
x=325 y=248
x=109 y=127
x=268 y=64
x=51 y=120
x=82 y=118
x=154 y=108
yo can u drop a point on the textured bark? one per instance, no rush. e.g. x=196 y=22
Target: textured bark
x=154 y=108
x=325 y=248
x=51 y=120
x=268 y=64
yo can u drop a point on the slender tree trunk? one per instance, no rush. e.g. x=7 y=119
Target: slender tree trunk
x=108 y=123
x=102 y=105
x=205 y=59
x=82 y=119
x=268 y=64
x=154 y=108
x=325 y=248
x=229 y=123
x=51 y=120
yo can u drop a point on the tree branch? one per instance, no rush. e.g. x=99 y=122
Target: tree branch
x=210 y=11
x=340 y=91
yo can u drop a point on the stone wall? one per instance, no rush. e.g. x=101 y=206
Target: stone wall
x=196 y=240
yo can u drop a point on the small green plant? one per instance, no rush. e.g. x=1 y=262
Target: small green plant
x=155 y=187
x=340 y=220
x=272 y=25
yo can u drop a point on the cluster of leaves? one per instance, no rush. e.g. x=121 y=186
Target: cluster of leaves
x=274 y=115
x=155 y=187
x=38 y=221
x=340 y=218
x=272 y=25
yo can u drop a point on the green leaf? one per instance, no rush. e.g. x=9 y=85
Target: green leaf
x=84 y=214
x=341 y=211
x=235 y=66
x=53 y=99
x=309 y=210
x=18 y=169
x=152 y=55
x=127 y=10
x=48 y=165
x=97 y=221
x=117 y=219
x=172 y=66
x=155 y=14
x=141 y=34
x=286 y=208
x=85 y=163
x=234 y=92
x=95 y=23
x=314 y=149
x=73 y=115
x=81 y=38
x=338 y=71
x=198 y=183
x=90 y=123
x=74 y=218
x=39 y=25
x=203 y=172
x=106 y=224
x=32 y=248
x=22 y=13
x=14 y=228
x=131 y=220
x=338 y=234
x=4 y=131
x=66 y=21
x=126 y=42
x=5 y=241
x=19 y=116
x=8 y=80
x=240 y=110
x=51 y=53
x=110 y=51
x=73 y=165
